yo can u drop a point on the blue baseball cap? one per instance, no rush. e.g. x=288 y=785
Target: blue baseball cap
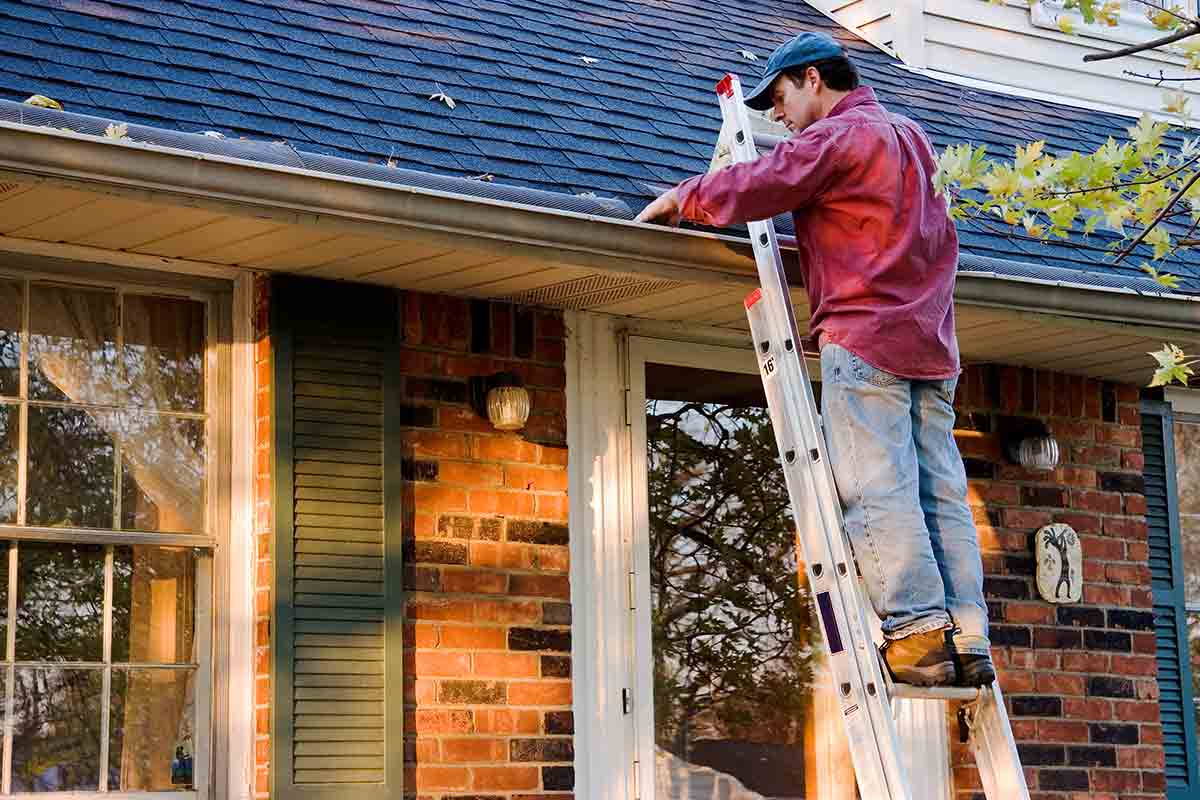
x=799 y=51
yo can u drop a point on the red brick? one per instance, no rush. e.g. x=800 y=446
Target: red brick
x=1125 y=437
x=506 y=721
x=553 y=506
x=508 y=503
x=1125 y=527
x=1029 y=613
x=436 y=443
x=1144 y=666
x=550 y=325
x=474 y=749
x=1091 y=399
x=1135 y=504
x=1082 y=523
x=1103 y=502
x=1116 y=780
x=438 y=777
x=550 y=350
x=540 y=586
x=1084 y=477
x=469 y=473
x=553 y=559
x=1024 y=518
x=990 y=492
x=1052 y=683
x=434 y=663
x=423 y=635
x=462 y=418
x=473 y=581
x=1137 y=552
x=553 y=456
x=506 y=778
x=474 y=637
x=517 y=612
x=1133 y=460
x=1102 y=548
x=1129 y=414
x=485 y=554
x=1106 y=595
x=419 y=362
x=1130 y=574
x=507 y=665
x=1150 y=734
x=540 y=693
x=972 y=444
x=1016 y=681
x=1055 y=730
x=441 y=720
x=505 y=447
x=535 y=479
x=1073 y=431
x=1046 y=660
x=441 y=608
x=1136 y=710
x=1145 y=643
x=1074 y=708
x=1096 y=455
x=1085 y=662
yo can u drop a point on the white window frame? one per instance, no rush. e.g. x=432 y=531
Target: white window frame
x=609 y=521
x=224 y=612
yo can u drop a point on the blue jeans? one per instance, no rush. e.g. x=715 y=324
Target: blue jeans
x=904 y=494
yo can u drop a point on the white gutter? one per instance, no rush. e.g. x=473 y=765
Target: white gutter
x=367 y=207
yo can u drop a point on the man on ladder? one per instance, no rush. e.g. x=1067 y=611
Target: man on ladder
x=878 y=253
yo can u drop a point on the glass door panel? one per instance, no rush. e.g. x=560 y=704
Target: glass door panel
x=740 y=708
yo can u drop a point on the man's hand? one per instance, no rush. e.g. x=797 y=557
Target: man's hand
x=665 y=209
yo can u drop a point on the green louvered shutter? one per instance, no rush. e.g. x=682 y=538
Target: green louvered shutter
x=338 y=700
x=1170 y=617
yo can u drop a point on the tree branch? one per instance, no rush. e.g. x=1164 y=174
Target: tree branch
x=1191 y=30
x=1161 y=77
x=1157 y=179
x=1170 y=11
x=1158 y=218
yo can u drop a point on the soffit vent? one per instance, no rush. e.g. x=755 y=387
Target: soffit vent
x=5 y=188
x=591 y=291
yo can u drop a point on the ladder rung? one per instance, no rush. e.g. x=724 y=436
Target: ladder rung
x=908 y=691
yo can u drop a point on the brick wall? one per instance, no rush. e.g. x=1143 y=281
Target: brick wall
x=262 y=538
x=487 y=638
x=1079 y=679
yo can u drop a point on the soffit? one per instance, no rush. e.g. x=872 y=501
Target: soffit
x=45 y=212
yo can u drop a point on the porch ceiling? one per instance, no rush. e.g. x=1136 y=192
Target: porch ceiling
x=169 y=226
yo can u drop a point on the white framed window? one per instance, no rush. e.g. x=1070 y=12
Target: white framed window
x=698 y=664
x=1135 y=25
x=109 y=522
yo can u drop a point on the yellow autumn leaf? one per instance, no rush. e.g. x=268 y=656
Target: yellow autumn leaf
x=41 y=101
x=1066 y=24
x=1175 y=101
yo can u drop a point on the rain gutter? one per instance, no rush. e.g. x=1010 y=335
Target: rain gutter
x=366 y=207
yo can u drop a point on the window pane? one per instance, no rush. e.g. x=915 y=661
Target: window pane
x=56 y=730
x=70 y=468
x=151 y=737
x=10 y=421
x=1187 y=476
x=60 y=602
x=72 y=344
x=164 y=352
x=154 y=604
x=162 y=473
x=738 y=700
x=11 y=302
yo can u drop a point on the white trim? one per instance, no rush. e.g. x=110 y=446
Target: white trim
x=119 y=258
x=597 y=467
x=1049 y=97
x=239 y=707
x=1185 y=401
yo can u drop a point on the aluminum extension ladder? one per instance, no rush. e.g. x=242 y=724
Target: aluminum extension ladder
x=864 y=688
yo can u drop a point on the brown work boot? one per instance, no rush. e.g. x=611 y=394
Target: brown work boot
x=923 y=659
x=974 y=670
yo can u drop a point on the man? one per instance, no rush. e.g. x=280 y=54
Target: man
x=878 y=253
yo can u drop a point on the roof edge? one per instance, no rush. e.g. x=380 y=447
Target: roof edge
x=301 y=196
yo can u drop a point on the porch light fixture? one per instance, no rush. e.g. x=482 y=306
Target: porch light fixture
x=501 y=398
x=1029 y=443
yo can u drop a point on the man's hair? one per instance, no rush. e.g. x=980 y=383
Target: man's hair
x=838 y=73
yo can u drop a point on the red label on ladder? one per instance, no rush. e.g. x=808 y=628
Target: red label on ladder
x=753 y=298
x=725 y=86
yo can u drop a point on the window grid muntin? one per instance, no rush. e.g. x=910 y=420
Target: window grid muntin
x=202 y=543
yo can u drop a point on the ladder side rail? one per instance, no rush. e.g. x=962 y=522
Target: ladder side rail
x=816 y=506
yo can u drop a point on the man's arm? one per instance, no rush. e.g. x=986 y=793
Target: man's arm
x=787 y=178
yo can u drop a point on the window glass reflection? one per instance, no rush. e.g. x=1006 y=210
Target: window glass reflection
x=60 y=602
x=164 y=352
x=72 y=344
x=71 y=479
x=56 y=730
x=12 y=303
x=154 y=605
x=162 y=473
x=151 y=739
x=736 y=655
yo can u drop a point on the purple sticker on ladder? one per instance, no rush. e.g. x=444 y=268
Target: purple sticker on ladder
x=832 y=635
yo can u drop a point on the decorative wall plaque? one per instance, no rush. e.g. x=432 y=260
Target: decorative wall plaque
x=1059 y=564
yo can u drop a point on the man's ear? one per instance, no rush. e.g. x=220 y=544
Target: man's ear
x=813 y=77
